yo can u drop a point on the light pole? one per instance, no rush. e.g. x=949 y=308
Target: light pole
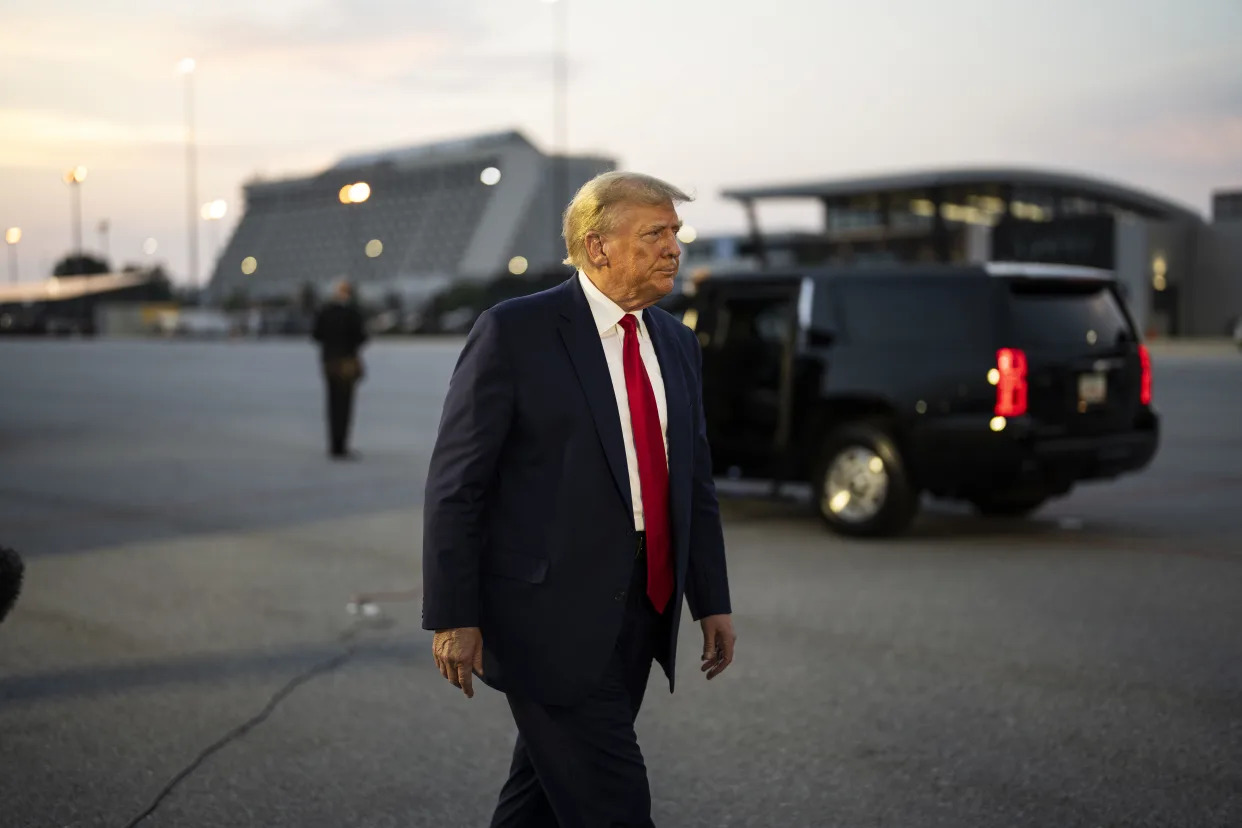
x=351 y=195
x=212 y=212
x=186 y=67
x=560 y=118
x=104 y=227
x=11 y=237
x=74 y=179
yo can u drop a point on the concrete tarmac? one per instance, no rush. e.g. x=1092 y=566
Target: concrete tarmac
x=191 y=550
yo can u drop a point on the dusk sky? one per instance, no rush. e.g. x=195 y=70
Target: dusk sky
x=707 y=94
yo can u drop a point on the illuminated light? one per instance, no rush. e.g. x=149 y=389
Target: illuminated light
x=214 y=210
x=963 y=214
x=374 y=248
x=993 y=377
x=1012 y=386
x=922 y=207
x=690 y=318
x=13 y=235
x=150 y=246
x=490 y=176
x=343 y=195
x=1030 y=212
x=921 y=406
x=1092 y=337
x=518 y=265
x=875 y=465
x=687 y=234
x=1145 y=381
x=359 y=192
x=998 y=423
x=1159 y=267
x=76 y=176
x=992 y=205
x=1159 y=282
x=249 y=265
x=839 y=501
x=186 y=66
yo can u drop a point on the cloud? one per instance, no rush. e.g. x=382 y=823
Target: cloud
x=372 y=40
x=482 y=71
x=45 y=134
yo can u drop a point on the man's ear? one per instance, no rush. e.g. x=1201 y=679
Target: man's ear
x=595 y=250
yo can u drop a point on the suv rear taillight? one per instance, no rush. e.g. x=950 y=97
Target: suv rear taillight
x=1011 y=382
x=1145 y=383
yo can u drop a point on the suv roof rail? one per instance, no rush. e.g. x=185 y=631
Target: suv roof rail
x=1034 y=270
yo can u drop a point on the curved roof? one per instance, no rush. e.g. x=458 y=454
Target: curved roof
x=1127 y=198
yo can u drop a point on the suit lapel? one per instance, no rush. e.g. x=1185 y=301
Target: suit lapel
x=582 y=340
x=677 y=401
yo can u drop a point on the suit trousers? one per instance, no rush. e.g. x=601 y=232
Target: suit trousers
x=340 y=412
x=580 y=766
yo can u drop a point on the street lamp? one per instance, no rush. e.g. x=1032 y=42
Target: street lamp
x=74 y=179
x=560 y=121
x=186 y=68
x=350 y=195
x=211 y=213
x=11 y=237
x=104 y=227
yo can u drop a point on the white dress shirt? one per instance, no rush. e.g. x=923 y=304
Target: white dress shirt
x=607 y=314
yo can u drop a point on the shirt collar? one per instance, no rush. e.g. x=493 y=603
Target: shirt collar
x=605 y=312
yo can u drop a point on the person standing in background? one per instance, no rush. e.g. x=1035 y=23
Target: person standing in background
x=340 y=331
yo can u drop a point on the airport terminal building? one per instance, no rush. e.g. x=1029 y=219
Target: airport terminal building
x=406 y=222
x=1181 y=274
x=412 y=221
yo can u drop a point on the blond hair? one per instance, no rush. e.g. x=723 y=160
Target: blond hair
x=593 y=208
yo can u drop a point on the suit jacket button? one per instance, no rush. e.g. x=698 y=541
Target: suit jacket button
x=620 y=596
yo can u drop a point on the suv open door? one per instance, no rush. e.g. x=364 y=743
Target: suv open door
x=748 y=334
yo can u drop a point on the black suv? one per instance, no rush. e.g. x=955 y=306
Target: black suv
x=1000 y=384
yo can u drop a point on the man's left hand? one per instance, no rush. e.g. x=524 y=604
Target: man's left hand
x=718 y=640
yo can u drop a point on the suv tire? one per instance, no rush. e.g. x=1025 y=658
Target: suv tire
x=853 y=493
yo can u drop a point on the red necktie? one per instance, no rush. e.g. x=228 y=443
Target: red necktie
x=652 y=466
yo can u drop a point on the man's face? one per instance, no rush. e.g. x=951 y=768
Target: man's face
x=642 y=251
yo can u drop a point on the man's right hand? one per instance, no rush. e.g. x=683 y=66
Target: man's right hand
x=457 y=652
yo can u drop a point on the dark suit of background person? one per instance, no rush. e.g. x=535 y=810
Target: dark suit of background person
x=340 y=331
x=530 y=526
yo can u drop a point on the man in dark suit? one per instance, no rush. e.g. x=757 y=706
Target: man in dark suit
x=340 y=331
x=570 y=506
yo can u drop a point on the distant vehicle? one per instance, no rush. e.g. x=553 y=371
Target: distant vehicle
x=1003 y=385
x=195 y=322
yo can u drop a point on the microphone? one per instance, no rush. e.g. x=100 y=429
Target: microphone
x=11 y=570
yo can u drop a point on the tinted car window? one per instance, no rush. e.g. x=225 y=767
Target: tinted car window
x=922 y=310
x=757 y=318
x=1061 y=312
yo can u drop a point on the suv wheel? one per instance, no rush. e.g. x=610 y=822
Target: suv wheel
x=861 y=485
x=1009 y=504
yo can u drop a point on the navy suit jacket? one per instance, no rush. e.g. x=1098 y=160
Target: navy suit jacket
x=529 y=526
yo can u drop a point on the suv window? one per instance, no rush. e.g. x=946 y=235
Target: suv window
x=763 y=319
x=917 y=311
x=1062 y=312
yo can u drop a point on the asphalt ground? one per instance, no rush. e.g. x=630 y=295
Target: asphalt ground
x=191 y=550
